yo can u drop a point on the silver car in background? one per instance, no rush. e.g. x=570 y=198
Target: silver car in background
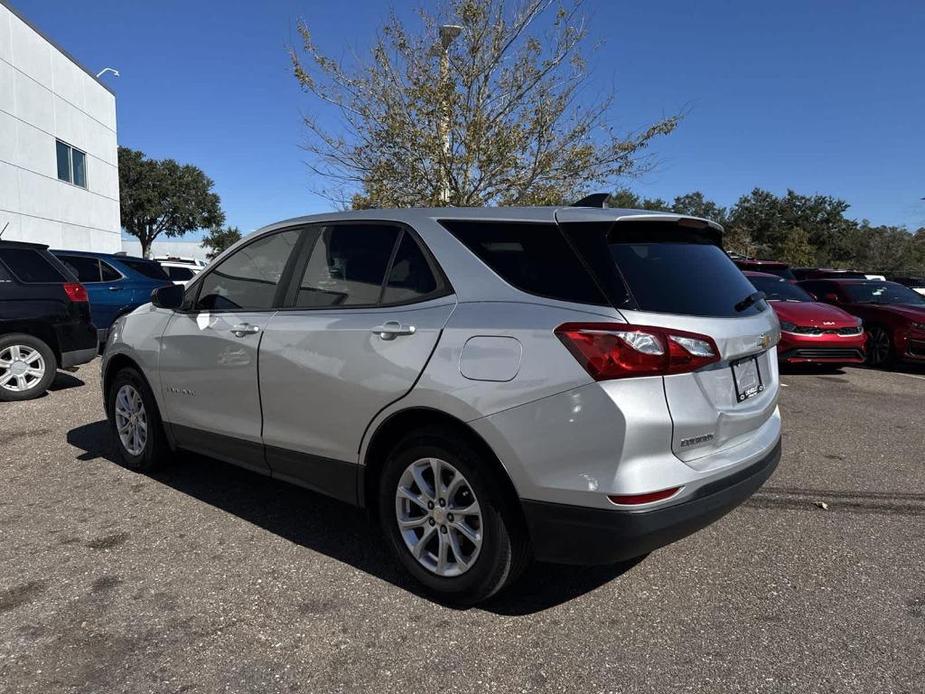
x=567 y=384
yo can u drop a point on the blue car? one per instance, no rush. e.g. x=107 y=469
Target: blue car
x=116 y=284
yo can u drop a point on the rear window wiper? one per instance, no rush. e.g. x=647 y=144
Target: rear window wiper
x=752 y=298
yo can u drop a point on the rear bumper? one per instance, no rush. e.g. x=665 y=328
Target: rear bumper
x=77 y=356
x=579 y=535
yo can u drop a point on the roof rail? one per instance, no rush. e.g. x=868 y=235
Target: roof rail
x=593 y=200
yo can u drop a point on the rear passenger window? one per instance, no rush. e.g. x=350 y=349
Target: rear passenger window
x=148 y=268
x=109 y=273
x=410 y=277
x=534 y=258
x=86 y=269
x=247 y=279
x=347 y=266
x=30 y=266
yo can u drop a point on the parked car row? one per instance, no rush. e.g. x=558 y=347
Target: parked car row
x=842 y=316
x=51 y=301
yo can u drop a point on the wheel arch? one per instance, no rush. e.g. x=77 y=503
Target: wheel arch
x=36 y=329
x=424 y=419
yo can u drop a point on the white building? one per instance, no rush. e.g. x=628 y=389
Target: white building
x=59 y=178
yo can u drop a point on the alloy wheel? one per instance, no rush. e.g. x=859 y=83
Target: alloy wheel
x=439 y=517
x=131 y=420
x=21 y=368
x=880 y=346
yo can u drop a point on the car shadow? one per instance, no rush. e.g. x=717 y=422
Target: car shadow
x=64 y=380
x=334 y=528
x=811 y=369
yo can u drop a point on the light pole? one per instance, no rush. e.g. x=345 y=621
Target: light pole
x=448 y=33
x=115 y=73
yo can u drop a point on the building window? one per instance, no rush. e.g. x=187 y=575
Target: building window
x=72 y=164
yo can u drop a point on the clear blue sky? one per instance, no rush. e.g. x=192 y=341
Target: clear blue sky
x=819 y=96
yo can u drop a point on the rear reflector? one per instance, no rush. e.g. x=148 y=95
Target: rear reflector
x=75 y=292
x=635 y=499
x=616 y=350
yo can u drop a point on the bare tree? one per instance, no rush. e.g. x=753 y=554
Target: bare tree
x=494 y=116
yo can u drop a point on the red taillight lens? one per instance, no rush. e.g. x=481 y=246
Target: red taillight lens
x=75 y=291
x=615 y=350
x=635 y=499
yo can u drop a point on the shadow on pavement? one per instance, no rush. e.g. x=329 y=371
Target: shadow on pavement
x=64 y=380
x=331 y=527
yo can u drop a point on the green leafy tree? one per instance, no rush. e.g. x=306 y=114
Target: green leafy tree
x=495 y=114
x=794 y=248
x=220 y=238
x=696 y=205
x=164 y=197
x=627 y=199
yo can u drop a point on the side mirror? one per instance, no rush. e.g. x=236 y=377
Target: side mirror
x=168 y=297
x=831 y=297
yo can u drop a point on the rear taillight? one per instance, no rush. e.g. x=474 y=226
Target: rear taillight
x=615 y=350
x=75 y=291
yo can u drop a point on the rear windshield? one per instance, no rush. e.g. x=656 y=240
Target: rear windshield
x=882 y=293
x=779 y=289
x=31 y=266
x=696 y=279
x=148 y=268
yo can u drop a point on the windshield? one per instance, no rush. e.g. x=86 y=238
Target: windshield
x=695 y=279
x=882 y=293
x=779 y=289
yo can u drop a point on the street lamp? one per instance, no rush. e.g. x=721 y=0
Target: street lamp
x=105 y=70
x=448 y=33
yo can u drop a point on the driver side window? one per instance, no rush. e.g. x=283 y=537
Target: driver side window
x=248 y=279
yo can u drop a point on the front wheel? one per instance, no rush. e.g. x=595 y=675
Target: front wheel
x=135 y=421
x=445 y=521
x=879 y=347
x=27 y=367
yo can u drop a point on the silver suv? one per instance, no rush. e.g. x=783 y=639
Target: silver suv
x=568 y=384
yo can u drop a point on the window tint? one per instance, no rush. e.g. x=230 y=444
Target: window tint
x=30 y=265
x=820 y=289
x=248 y=278
x=63 y=153
x=148 y=268
x=882 y=293
x=347 y=266
x=86 y=269
x=410 y=276
x=179 y=274
x=534 y=258
x=4 y=275
x=110 y=274
x=695 y=279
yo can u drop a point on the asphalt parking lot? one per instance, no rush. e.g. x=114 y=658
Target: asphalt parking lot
x=207 y=578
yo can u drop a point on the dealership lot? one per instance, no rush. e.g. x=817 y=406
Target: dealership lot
x=209 y=578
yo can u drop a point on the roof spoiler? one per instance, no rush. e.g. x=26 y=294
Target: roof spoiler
x=593 y=200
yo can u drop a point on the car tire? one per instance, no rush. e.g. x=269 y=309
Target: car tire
x=880 y=347
x=472 y=572
x=135 y=422
x=27 y=367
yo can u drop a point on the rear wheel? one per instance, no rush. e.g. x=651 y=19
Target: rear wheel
x=27 y=367
x=445 y=521
x=879 y=347
x=135 y=421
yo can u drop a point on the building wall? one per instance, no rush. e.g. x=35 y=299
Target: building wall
x=44 y=96
x=181 y=249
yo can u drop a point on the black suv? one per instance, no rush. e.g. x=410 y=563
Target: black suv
x=44 y=320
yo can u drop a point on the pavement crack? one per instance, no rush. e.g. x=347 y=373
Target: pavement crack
x=898 y=503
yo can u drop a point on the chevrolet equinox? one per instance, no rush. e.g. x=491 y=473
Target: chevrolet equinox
x=574 y=385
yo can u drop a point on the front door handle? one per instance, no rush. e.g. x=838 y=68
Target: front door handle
x=244 y=329
x=392 y=329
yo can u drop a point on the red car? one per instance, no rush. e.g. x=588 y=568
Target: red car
x=812 y=332
x=771 y=267
x=893 y=314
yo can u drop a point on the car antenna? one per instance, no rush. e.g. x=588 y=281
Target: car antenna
x=3 y=229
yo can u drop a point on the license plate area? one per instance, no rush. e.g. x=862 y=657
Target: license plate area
x=746 y=377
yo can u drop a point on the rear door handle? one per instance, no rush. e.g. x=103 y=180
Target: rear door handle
x=244 y=329
x=114 y=289
x=392 y=329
